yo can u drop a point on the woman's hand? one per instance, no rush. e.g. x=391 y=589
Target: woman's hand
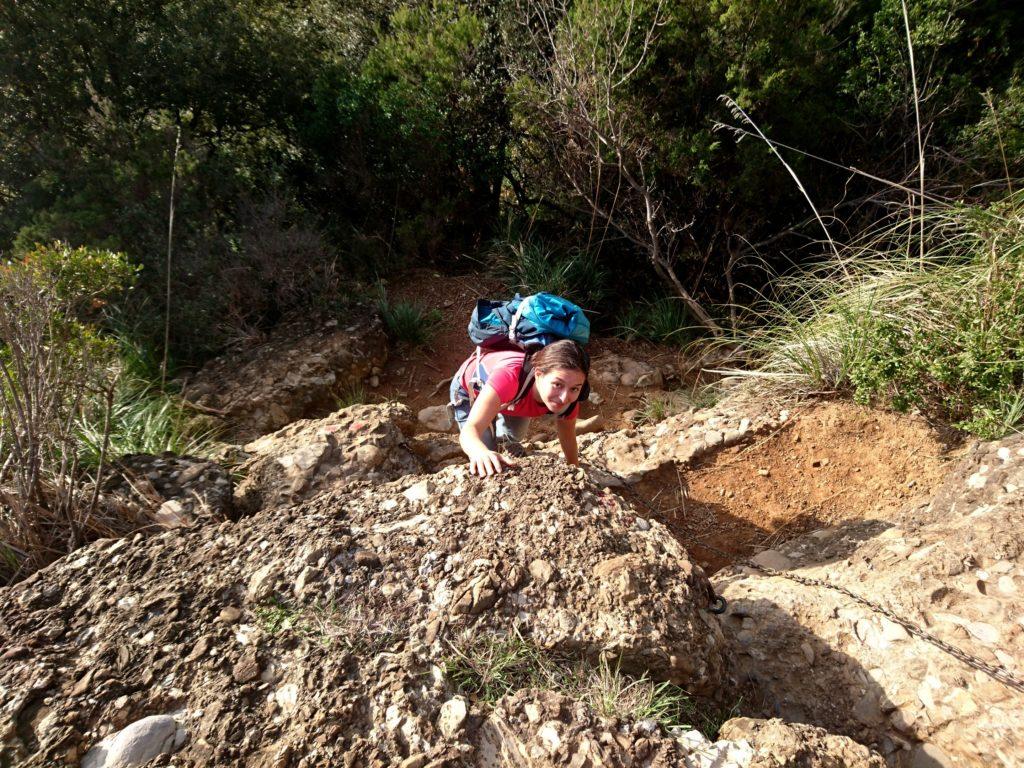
x=488 y=462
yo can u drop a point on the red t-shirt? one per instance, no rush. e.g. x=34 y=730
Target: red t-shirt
x=502 y=369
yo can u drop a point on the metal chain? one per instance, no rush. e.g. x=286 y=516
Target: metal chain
x=999 y=673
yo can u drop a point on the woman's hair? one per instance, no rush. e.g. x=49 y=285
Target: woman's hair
x=565 y=354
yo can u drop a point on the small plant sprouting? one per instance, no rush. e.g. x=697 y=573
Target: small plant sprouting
x=488 y=667
x=653 y=408
x=354 y=395
x=276 y=616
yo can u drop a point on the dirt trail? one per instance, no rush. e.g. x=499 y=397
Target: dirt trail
x=831 y=462
x=419 y=377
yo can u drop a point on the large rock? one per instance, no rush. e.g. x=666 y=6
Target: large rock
x=297 y=373
x=615 y=371
x=139 y=743
x=678 y=440
x=544 y=729
x=316 y=633
x=361 y=442
x=776 y=743
x=954 y=567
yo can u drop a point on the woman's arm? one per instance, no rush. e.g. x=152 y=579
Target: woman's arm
x=482 y=460
x=567 y=439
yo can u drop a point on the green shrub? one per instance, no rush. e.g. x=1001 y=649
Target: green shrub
x=944 y=335
x=54 y=363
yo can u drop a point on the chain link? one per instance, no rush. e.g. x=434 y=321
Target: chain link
x=1001 y=674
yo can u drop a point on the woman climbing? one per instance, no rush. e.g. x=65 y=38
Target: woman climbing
x=496 y=393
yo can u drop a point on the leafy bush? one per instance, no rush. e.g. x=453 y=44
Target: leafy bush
x=944 y=335
x=53 y=365
x=532 y=267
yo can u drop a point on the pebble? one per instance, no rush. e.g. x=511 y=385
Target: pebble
x=229 y=615
x=453 y=715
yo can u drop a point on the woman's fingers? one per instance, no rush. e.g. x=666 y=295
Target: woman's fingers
x=489 y=463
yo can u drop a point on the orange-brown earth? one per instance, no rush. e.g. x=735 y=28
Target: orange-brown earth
x=830 y=462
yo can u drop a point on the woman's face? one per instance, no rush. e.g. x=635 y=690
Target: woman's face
x=559 y=387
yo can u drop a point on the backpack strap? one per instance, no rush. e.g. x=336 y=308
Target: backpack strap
x=514 y=323
x=526 y=379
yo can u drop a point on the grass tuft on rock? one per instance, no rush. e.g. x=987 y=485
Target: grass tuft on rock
x=408 y=322
x=488 y=667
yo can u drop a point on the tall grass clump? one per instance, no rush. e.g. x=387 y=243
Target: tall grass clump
x=530 y=266
x=660 y=321
x=408 y=322
x=943 y=334
x=143 y=419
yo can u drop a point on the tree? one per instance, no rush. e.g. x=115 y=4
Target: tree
x=571 y=91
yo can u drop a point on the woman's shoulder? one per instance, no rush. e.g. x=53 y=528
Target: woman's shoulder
x=503 y=358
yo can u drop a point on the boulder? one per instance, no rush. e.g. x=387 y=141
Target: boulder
x=361 y=442
x=616 y=370
x=774 y=743
x=953 y=567
x=435 y=418
x=171 y=490
x=298 y=372
x=320 y=630
x=138 y=743
x=545 y=729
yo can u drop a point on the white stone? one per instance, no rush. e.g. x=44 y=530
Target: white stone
x=419 y=492
x=772 y=558
x=549 y=737
x=722 y=754
x=691 y=741
x=262 y=582
x=453 y=715
x=533 y=712
x=986 y=633
x=287 y=697
x=171 y=514
x=136 y=744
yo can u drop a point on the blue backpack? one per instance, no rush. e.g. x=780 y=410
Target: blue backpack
x=526 y=324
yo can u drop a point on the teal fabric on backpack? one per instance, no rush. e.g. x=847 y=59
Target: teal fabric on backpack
x=534 y=321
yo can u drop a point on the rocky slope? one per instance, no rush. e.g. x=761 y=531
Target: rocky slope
x=298 y=372
x=955 y=567
x=314 y=615
x=311 y=634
